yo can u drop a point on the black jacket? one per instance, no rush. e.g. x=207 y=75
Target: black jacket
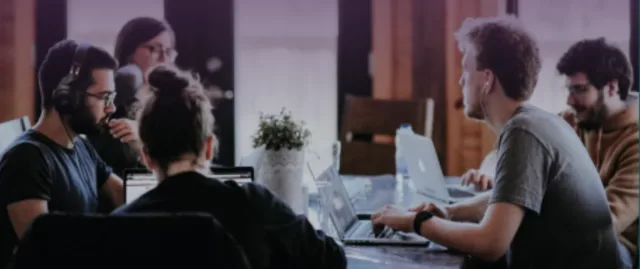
x=270 y=233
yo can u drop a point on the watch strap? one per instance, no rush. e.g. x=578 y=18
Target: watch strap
x=419 y=219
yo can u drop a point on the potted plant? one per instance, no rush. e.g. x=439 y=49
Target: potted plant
x=282 y=164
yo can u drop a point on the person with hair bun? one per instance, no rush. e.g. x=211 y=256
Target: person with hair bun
x=176 y=131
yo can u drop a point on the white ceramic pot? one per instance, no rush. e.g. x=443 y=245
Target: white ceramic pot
x=282 y=172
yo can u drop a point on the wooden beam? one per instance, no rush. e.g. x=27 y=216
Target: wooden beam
x=17 y=34
x=382 y=18
x=429 y=62
x=633 y=44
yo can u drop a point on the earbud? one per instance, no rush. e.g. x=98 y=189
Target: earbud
x=485 y=90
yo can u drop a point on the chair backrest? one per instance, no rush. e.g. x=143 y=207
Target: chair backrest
x=367 y=116
x=10 y=130
x=131 y=241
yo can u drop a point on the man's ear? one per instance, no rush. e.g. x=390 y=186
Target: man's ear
x=489 y=80
x=612 y=88
x=209 y=148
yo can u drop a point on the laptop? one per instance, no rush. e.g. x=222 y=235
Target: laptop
x=239 y=174
x=138 y=181
x=425 y=171
x=253 y=159
x=354 y=231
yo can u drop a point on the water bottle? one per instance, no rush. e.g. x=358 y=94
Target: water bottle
x=401 y=164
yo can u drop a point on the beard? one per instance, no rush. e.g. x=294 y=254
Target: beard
x=84 y=122
x=595 y=115
x=474 y=111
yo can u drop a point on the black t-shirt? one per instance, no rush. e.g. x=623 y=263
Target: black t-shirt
x=270 y=233
x=36 y=167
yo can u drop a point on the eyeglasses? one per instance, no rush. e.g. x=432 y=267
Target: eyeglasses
x=157 y=50
x=107 y=97
x=577 y=89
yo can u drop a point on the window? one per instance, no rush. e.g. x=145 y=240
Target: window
x=559 y=24
x=98 y=22
x=286 y=56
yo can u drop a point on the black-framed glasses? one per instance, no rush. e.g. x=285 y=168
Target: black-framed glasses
x=169 y=53
x=577 y=89
x=107 y=97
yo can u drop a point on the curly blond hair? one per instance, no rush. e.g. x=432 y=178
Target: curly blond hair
x=506 y=48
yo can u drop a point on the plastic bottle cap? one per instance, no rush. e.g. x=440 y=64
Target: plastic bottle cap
x=405 y=125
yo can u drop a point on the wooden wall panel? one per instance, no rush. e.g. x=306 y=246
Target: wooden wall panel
x=382 y=48
x=403 y=54
x=415 y=55
x=468 y=141
x=633 y=42
x=428 y=66
x=16 y=58
x=24 y=84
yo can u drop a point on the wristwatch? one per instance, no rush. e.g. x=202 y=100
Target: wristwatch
x=419 y=219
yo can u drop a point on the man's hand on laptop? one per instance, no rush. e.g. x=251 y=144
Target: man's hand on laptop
x=402 y=220
x=436 y=210
x=396 y=218
x=480 y=181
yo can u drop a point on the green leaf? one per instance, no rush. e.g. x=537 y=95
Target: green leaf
x=280 y=131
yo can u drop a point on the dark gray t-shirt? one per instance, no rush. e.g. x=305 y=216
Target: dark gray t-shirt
x=544 y=168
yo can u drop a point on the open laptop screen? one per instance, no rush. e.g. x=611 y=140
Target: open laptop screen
x=138 y=181
x=341 y=211
x=239 y=174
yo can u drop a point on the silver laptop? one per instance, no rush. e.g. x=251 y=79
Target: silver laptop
x=253 y=159
x=425 y=171
x=354 y=231
x=139 y=181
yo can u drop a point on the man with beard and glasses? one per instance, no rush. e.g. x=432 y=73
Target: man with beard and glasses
x=548 y=208
x=605 y=115
x=50 y=167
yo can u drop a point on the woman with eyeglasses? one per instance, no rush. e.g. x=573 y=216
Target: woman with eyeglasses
x=142 y=43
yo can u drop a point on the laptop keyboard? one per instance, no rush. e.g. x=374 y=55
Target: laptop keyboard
x=365 y=230
x=458 y=193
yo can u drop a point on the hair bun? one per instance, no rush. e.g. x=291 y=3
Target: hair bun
x=167 y=81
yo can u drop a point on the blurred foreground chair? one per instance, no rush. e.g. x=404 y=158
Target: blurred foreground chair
x=132 y=241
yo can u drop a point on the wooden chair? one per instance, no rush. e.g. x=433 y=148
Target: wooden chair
x=368 y=116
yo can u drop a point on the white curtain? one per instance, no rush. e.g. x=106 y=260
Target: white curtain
x=285 y=56
x=98 y=21
x=559 y=24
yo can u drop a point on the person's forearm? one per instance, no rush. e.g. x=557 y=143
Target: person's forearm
x=471 y=210
x=113 y=189
x=464 y=237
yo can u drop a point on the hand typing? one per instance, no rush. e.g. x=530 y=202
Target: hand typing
x=436 y=210
x=480 y=181
x=396 y=218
